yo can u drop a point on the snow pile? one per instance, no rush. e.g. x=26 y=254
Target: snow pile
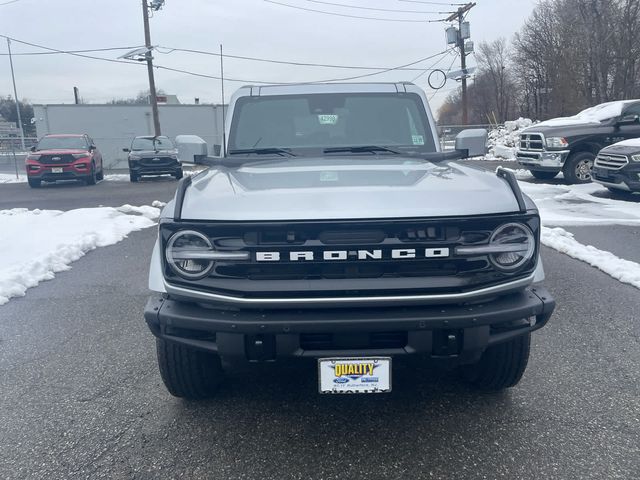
x=11 y=178
x=620 y=269
x=575 y=205
x=36 y=244
x=503 y=140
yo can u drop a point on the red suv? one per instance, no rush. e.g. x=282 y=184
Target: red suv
x=64 y=157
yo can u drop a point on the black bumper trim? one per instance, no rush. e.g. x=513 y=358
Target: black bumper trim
x=483 y=324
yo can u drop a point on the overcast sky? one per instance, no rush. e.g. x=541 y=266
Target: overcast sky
x=245 y=27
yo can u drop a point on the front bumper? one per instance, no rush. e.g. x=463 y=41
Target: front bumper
x=138 y=169
x=50 y=173
x=544 y=161
x=455 y=332
x=627 y=178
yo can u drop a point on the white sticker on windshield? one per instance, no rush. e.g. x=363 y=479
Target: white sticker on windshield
x=417 y=139
x=328 y=119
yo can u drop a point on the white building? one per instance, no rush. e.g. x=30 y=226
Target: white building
x=114 y=126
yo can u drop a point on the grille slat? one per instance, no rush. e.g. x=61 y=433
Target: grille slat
x=532 y=142
x=611 y=162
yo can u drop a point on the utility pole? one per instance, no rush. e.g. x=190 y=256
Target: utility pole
x=462 y=35
x=149 y=57
x=15 y=94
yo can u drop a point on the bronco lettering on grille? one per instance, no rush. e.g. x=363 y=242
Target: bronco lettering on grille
x=358 y=255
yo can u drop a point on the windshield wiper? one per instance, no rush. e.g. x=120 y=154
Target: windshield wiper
x=263 y=151
x=361 y=149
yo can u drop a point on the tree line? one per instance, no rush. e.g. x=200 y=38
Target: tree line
x=569 y=55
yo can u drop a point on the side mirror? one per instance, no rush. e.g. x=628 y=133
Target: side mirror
x=126 y=150
x=92 y=147
x=472 y=142
x=628 y=120
x=33 y=149
x=216 y=150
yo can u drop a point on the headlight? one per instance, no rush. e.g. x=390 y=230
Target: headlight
x=635 y=158
x=186 y=254
x=134 y=157
x=33 y=157
x=78 y=156
x=514 y=245
x=557 y=142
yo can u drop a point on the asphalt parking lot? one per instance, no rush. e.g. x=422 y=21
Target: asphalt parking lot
x=81 y=397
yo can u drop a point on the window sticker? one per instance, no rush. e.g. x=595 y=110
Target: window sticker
x=328 y=119
x=417 y=139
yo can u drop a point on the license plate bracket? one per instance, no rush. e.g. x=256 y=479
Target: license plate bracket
x=354 y=375
x=57 y=170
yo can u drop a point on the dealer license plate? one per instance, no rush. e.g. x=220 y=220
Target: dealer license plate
x=354 y=375
x=56 y=170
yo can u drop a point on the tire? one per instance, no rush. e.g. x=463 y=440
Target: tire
x=501 y=366
x=577 y=168
x=178 y=174
x=133 y=177
x=187 y=372
x=543 y=175
x=91 y=179
x=34 y=183
x=100 y=175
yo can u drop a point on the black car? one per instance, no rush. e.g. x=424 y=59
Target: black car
x=153 y=156
x=617 y=167
x=571 y=144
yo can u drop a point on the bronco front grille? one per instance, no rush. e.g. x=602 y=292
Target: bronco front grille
x=610 y=161
x=348 y=258
x=531 y=141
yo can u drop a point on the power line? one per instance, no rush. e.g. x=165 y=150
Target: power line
x=342 y=5
x=432 y=67
x=10 y=1
x=448 y=70
x=281 y=62
x=260 y=82
x=350 y=16
x=431 y=3
x=91 y=50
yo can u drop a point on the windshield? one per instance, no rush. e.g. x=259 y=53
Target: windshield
x=147 y=143
x=321 y=121
x=62 y=143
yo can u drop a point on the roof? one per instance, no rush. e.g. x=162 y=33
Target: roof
x=302 y=88
x=65 y=134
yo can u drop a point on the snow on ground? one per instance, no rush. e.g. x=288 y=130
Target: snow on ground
x=578 y=205
x=36 y=244
x=11 y=178
x=620 y=269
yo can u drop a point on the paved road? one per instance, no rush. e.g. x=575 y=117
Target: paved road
x=81 y=397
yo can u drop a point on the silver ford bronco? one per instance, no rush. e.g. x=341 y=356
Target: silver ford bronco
x=333 y=227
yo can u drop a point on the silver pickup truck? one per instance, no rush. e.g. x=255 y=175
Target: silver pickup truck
x=333 y=227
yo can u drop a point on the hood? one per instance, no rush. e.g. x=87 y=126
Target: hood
x=66 y=151
x=345 y=188
x=154 y=153
x=566 y=129
x=626 y=147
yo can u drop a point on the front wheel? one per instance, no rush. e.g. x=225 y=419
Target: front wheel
x=501 y=366
x=187 y=372
x=543 y=175
x=34 y=183
x=577 y=168
x=133 y=177
x=178 y=174
x=91 y=179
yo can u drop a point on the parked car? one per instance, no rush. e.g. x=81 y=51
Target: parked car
x=617 y=166
x=570 y=144
x=153 y=156
x=64 y=157
x=335 y=228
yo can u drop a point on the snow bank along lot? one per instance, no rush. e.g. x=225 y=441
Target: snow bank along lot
x=54 y=239
x=69 y=235
x=576 y=205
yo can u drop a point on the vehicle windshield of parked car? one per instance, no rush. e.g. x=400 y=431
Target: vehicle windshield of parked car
x=62 y=143
x=323 y=121
x=149 y=143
